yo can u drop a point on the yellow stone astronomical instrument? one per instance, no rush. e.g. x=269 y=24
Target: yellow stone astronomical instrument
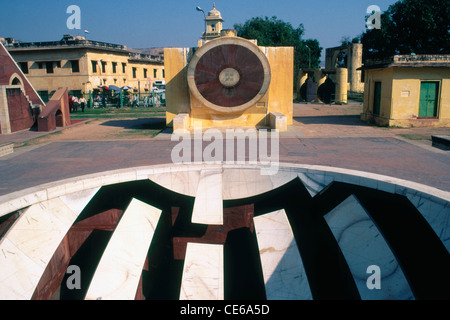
x=229 y=82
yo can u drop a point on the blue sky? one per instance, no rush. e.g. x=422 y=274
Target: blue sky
x=176 y=23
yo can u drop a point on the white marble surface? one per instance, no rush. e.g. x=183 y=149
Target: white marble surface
x=208 y=205
x=315 y=182
x=179 y=178
x=203 y=273
x=436 y=212
x=29 y=245
x=239 y=183
x=118 y=273
x=78 y=201
x=284 y=274
x=363 y=245
x=23 y=270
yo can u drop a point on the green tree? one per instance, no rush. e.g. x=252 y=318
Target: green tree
x=275 y=32
x=410 y=26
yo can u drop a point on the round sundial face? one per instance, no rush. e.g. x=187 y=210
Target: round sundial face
x=229 y=74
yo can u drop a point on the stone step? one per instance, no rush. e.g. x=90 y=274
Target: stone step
x=442 y=142
x=6 y=148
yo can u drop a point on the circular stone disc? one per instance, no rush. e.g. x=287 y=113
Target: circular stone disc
x=229 y=74
x=229 y=77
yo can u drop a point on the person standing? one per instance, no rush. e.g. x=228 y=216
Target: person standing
x=75 y=104
x=82 y=103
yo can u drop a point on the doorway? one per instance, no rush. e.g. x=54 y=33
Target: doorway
x=429 y=93
x=377 y=98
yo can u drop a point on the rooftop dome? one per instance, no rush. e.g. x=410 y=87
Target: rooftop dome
x=214 y=12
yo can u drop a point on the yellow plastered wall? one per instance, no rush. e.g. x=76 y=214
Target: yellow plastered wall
x=406 y=91
x=281 y=94
x=444 y=107
x=177 y=90
x=253 y=116
x=385 y=77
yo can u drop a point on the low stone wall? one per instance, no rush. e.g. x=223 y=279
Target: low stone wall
x=56 y=113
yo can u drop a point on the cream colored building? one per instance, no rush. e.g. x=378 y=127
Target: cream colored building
x=408 y=90
x=83 y=65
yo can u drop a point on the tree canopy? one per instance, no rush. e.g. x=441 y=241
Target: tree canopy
x=275 y=32
x=410 y=26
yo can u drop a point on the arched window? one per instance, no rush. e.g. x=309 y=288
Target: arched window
x=16 y=82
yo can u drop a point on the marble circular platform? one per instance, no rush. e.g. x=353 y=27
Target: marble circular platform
x=304 y=213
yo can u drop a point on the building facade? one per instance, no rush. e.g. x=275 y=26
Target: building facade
x=83 y=65
x=408 y=90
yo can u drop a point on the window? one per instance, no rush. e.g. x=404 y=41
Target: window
x=114 y=67
x=58 y=64
x=145 y=73
x=103 y=66
x=164 y=73
x=94 y=66
x=76 y=93
x=40 y=65
x=16 y=82
x=44 y=96
x=124 y=67
x=134 y=72
x=75 y=65
x=49 y=67
x=155 y=73
x=24 y=67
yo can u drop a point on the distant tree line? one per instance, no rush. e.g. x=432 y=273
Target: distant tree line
x=410 y=26
x=275 y=32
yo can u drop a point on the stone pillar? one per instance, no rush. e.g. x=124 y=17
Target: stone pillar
x=341 y=85
x=355 y=63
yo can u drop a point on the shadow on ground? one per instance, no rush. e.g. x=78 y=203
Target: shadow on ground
x=136 y=124
x=345 y=120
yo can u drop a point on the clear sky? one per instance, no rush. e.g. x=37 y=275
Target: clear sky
x=176 y=23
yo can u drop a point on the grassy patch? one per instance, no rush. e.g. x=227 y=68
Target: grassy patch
x=414 y=136
x=117 y=113
x=146 y=129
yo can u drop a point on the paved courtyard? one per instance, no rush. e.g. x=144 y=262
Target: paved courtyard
x=330 y=135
